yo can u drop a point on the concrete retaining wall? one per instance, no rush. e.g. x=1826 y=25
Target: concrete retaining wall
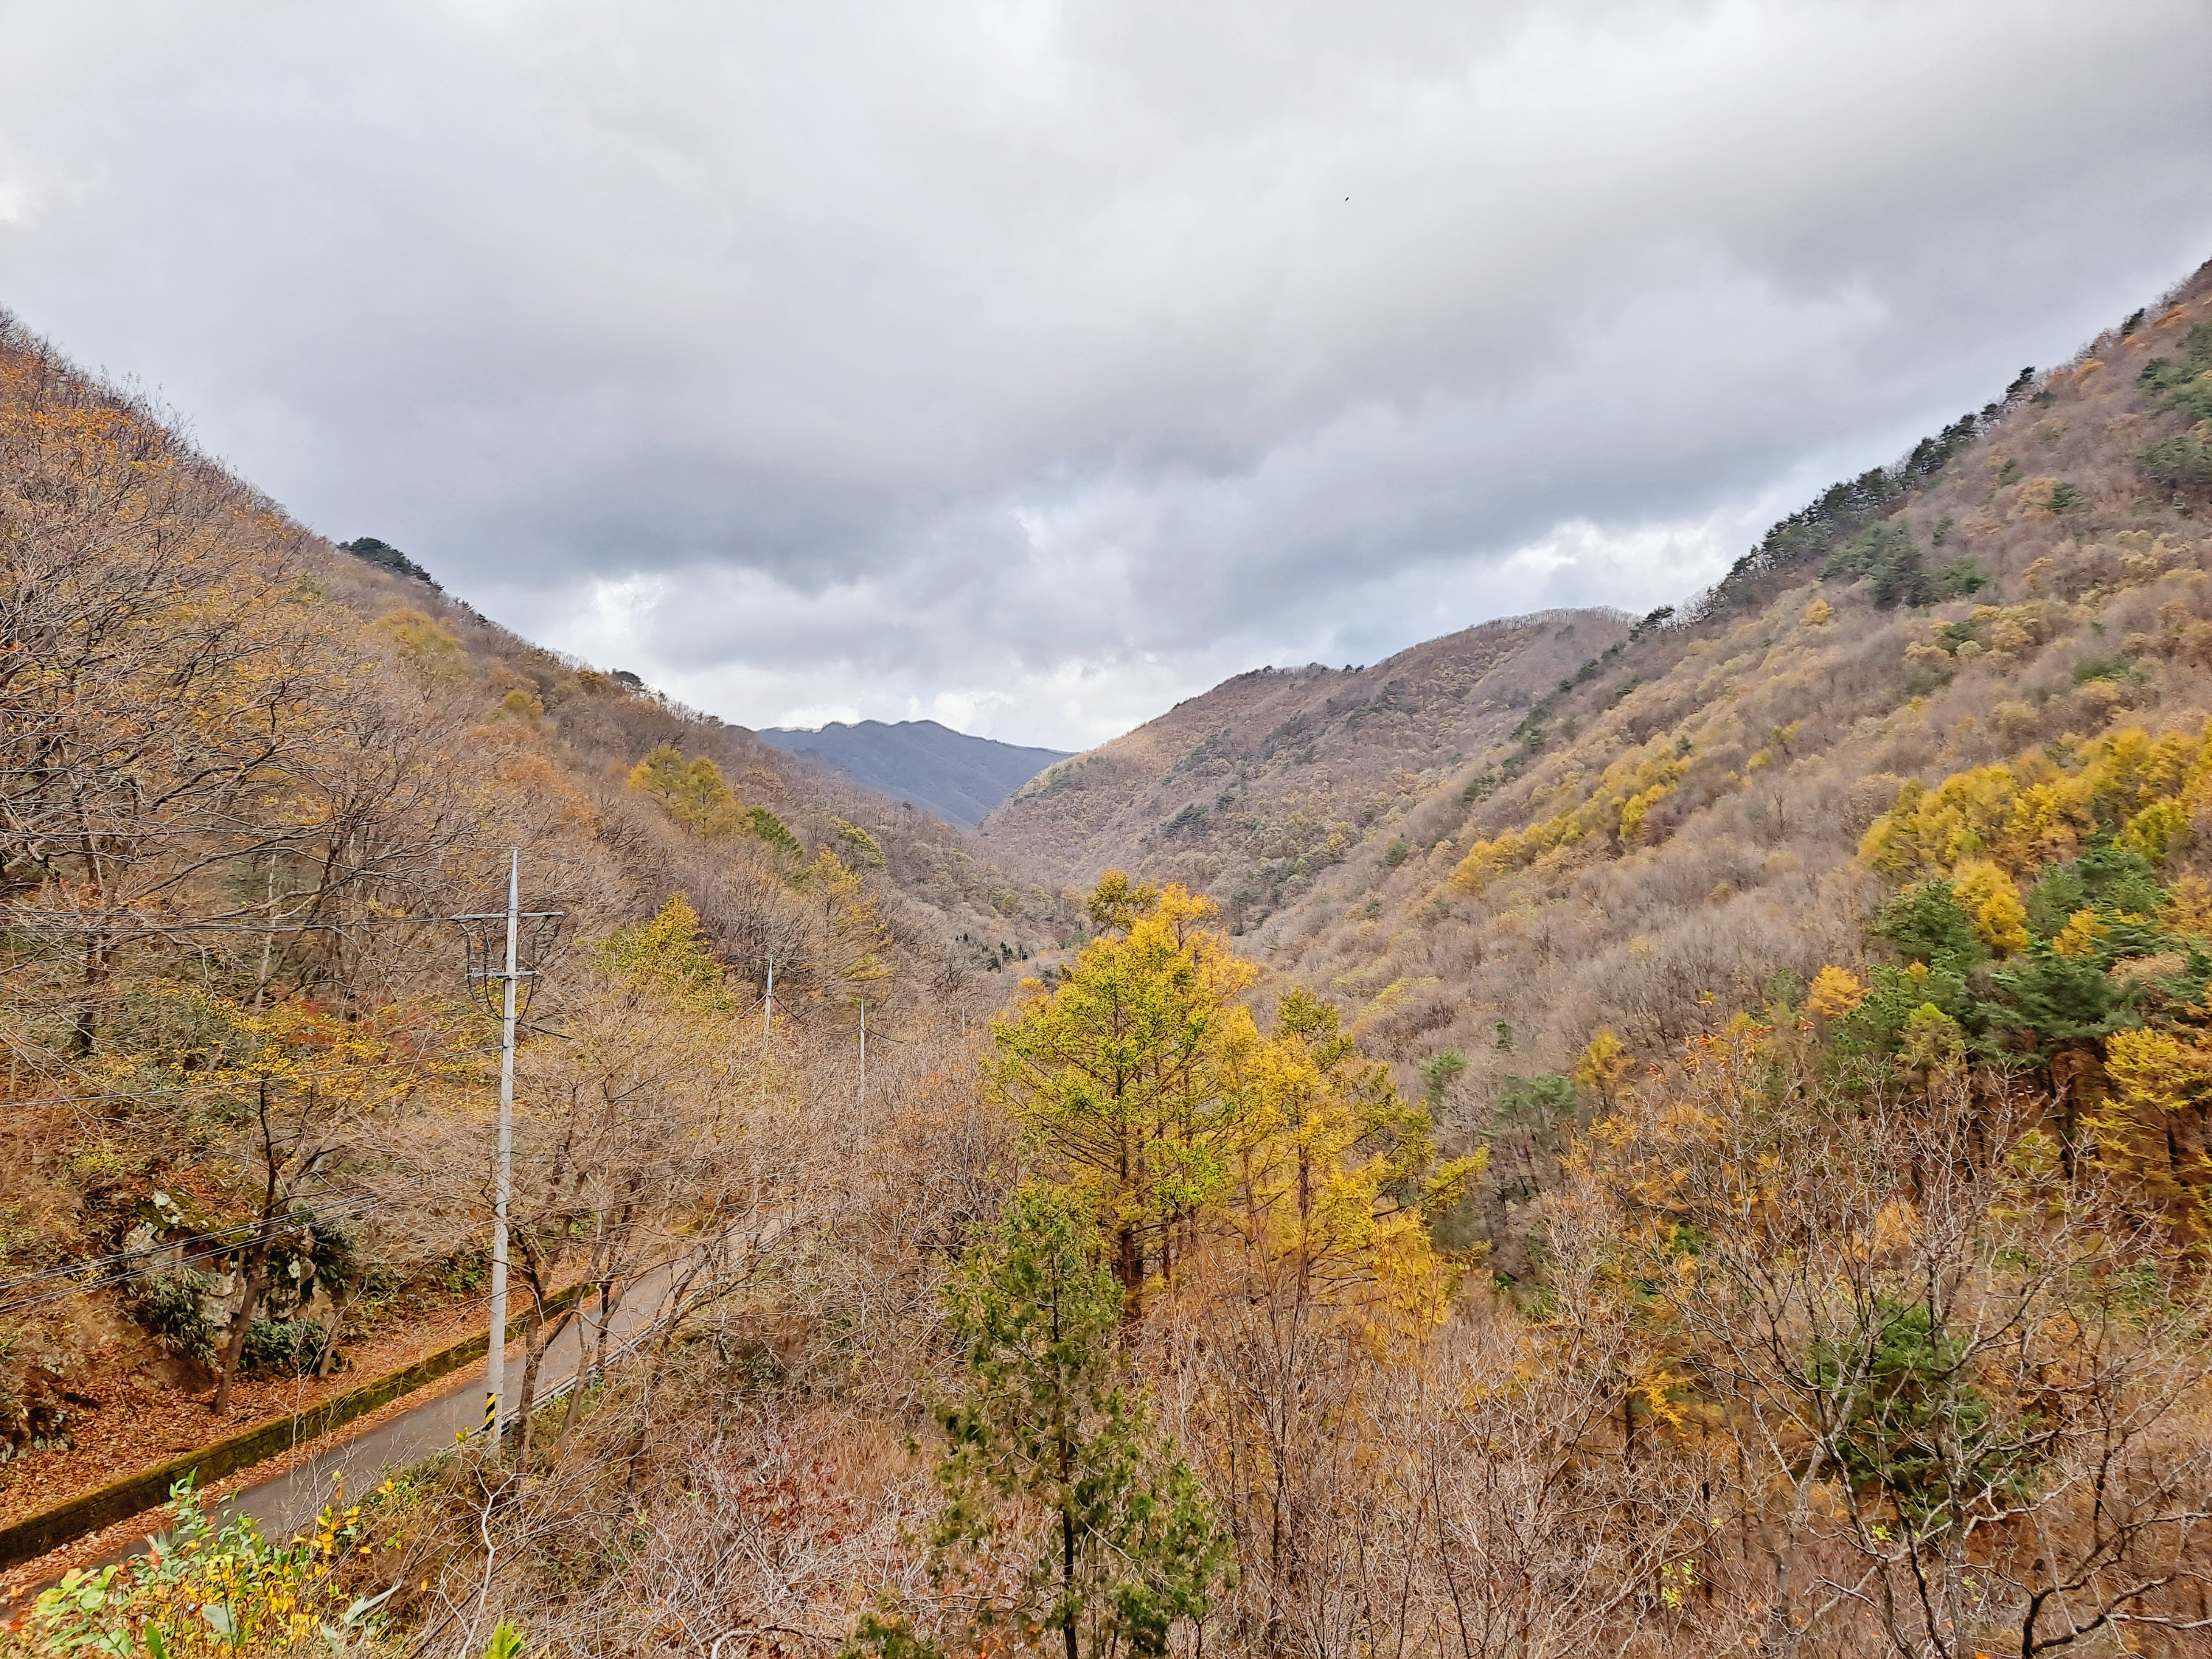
x=35 y=1534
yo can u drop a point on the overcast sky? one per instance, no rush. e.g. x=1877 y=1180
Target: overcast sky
x=1029 y=366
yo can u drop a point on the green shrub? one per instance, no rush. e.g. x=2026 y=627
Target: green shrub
x=1886 y=554
x=199 y=1592
x=293 y=1345
x=2047 y=1001
x=371 y=550
x=2105 y=876
x=1538 y=1103
x=1928 y=926
x=1913 y=1425
x=1436 y=1075
x=335 y=1251
x=2185 y=386
x=466 y=1269
x=2105 y=668
x=860 y=848
x=768 y=828
x=169 y=1307
x=2181 y=462
x=1961 y=578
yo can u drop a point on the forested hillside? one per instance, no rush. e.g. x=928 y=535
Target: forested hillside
x=1672 y=1138
x=243 y=774
x=1249 y=791
x=1504 y=840
x=1675 y=828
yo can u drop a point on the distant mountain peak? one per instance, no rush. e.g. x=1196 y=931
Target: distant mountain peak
x=956 y=776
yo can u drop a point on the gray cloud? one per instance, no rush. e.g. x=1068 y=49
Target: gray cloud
x=1026 y=364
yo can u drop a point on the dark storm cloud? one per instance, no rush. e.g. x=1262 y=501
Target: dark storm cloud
x=1025 y=364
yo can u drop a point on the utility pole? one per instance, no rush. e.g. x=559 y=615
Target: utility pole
x=860 y=1098
x=767 y=1017
x=503 y=1168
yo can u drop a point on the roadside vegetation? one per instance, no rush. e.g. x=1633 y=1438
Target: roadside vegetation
x=1717 y=1158
x=245 y=779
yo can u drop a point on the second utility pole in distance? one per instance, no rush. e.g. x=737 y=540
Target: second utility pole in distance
x=503 y=1166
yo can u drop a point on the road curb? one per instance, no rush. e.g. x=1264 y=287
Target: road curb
x=35 y=1534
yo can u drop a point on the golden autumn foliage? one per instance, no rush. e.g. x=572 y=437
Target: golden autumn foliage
x=854 y=939
x=2081 y=934
x=2156 y=1134
x=692 y=791
x=1605 y=1065
x=1120 y=1076
x=2188 y=906
x=2022 y=815
x=667 y=956
x=1616 y=808
x=1333 y=1176
x=1835 y=992
x=1141 y=1082
x=1776 y=1252
x=432 y=651
x=1992 y=901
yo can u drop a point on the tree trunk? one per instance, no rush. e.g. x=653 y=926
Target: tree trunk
x=1067 y=1576
x=256 y=1262
x=539 y=1337
x=257 y=1276
x=84 y=1028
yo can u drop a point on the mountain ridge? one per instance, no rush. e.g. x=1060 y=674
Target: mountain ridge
x=1247 y=790
x=1657 y=824
x=955 y=774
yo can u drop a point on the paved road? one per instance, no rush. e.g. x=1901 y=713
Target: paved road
x=285 y=1503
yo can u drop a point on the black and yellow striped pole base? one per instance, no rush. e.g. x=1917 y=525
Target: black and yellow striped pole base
x=491 y=1415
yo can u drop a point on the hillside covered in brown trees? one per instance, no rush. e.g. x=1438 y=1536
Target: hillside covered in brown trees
x=245 y=774
x=1550 y=825
x=1676 y=1136
x=1250 y=789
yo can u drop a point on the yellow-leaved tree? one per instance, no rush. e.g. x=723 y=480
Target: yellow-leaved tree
x=1275 y=1189
x=2160 y=1136
x=1325 y=1276
x=852 y=938
x=692 y=791
x=1336 y=1176
x=1988 y=895
x=1119 y=1078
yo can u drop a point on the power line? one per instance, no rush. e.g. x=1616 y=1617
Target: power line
x=36 y=923
x=244 y=1082
x=274 y=1224
x=91 y=1261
